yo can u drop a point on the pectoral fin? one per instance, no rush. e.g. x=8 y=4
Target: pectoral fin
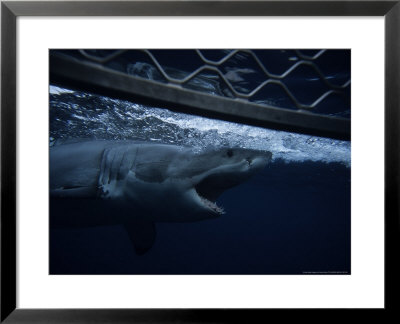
x=142 y=234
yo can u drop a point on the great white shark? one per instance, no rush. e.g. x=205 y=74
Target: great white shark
x=96 y=183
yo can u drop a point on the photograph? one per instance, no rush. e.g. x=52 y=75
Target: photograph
x=145 y=178
x=189 y=161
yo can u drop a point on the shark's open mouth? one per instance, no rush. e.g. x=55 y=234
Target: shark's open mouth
x=212 y=205
x=208 y=191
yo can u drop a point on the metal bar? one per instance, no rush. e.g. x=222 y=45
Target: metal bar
x=392 y=155
x=8 y=296
x=201 y=8
x=71 y=72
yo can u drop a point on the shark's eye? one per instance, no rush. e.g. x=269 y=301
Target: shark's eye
x=229 y=153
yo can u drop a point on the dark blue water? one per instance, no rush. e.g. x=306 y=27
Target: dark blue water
x=290 y=219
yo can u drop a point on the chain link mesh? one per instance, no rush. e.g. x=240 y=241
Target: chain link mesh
x=299 y=60
x=315 y=82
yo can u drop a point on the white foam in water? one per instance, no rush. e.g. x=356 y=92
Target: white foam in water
x=117 y=119
x=57 y=90
x=290 y=147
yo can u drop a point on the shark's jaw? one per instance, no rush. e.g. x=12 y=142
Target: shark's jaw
x=214 y=182
x=210 y=186
x=207 y=202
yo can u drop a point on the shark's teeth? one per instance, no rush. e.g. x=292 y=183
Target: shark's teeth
x=212 y=205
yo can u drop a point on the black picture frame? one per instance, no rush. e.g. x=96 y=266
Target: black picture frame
x=10 y=10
